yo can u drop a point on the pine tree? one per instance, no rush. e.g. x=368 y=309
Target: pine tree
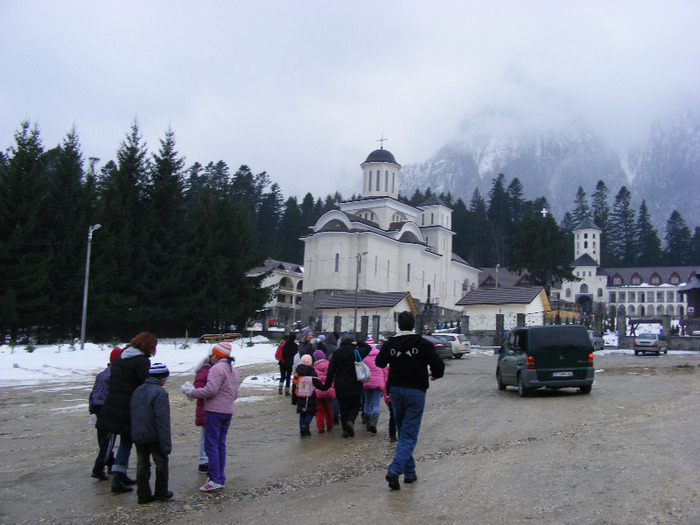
x=581 y=209
x=25 y=256
x=695 y=247
x=622 y=233
x=479 y=232
x=678 y=241
x=648 y=244
x=499 y=217
x=539 y=250
x=601 y=217
x=291 y=230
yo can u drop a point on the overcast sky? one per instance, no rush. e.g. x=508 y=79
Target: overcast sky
x=304 y=89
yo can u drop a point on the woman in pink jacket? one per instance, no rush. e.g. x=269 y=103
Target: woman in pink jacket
x=324 y=409
x=373 y=390
x=219 y=394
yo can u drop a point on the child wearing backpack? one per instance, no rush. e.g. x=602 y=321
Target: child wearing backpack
x=324 y=400
x=304 y=393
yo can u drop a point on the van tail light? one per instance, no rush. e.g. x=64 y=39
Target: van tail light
x=530 y=362
x=590 y=359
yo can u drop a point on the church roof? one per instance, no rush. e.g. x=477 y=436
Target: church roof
x=506 y=278
x=692 y=285
x=585 y=260
x=364 y=300
x=274 y=265
x=433 y=201
x=519 y=295
x=685 y=274
x=381 y=155
x=587 y=223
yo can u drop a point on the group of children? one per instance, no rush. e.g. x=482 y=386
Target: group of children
x=215 y=389
x=310 y=400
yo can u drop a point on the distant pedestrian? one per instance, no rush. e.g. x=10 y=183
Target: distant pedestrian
x=128 y=372
x=219 y=393
x=150 y=432
x=409 y=356
x=289 y=350
x=105 y=440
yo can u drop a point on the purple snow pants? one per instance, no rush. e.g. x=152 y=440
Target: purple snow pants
x=215 y=431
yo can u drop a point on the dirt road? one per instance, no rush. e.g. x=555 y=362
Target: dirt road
x=628 y=453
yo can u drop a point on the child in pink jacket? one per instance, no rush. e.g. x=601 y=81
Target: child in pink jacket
x=373 y=390
x=324 y=409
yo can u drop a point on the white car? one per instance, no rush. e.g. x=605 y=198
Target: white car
x=460 y=345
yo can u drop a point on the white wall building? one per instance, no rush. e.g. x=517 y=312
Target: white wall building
x=379 y=244
x=287 y=278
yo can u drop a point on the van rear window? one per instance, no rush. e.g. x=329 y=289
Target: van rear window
x=559 y=338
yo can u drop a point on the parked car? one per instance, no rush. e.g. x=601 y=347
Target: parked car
x=596 y=339
x=460 y=345
x=652 y=343
x=557 y=356
x=442 y=347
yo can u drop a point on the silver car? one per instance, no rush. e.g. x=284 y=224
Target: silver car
x=460 y=344
x=651 y=343
x=598 y=342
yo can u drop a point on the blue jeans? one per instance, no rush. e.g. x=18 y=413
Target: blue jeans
x=121 y=461
x=305 y=420
x=215 y=430
x=373 y=397
x=408 y=405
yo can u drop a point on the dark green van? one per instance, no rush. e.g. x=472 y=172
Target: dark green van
x=558 y=356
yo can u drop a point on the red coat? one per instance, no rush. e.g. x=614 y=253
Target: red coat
x=199 y=381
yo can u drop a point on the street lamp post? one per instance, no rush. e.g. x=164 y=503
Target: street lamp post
x=357 y=290
x=85 y=286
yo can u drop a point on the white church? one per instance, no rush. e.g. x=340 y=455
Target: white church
x=380 y=245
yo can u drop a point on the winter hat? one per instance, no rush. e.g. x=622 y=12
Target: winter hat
x=318 y=355
x=159 y=371
x=306 y=332
x=222 y=349
x=115 y=353
x=306 y=359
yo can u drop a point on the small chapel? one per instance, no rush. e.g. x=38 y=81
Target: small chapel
x=377 y=245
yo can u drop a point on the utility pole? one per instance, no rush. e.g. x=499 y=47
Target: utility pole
x=85 y=286
x=357 y=289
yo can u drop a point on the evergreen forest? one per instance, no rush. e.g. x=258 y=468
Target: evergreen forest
x=175 y=242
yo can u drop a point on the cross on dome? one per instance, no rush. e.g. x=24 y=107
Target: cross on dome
x=381 y=141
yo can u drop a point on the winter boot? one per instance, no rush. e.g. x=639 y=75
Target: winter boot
x=280 y=389
x=127 y=480
x=372 y=423
x=286 y=390
x=118 y=485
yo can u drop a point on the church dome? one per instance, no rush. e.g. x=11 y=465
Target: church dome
x=381 y=155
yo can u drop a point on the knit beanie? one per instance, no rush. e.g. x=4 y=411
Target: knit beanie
x=159 y=371
x=306 y=359
x=305 y=333
x=115 y=353
x=318 y=355
x=222 y=349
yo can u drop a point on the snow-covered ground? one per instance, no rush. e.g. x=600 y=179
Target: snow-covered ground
x=64 y=363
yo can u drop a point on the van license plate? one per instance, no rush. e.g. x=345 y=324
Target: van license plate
x=562 y=374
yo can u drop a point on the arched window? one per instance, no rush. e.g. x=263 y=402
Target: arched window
x=568 y=293
x=386 y=180
x=379 y=174
x=632 y=309
x=660 y=310
x=600 y=292
x=408 y=273
x=337 y=262
x=669 y=309
x=584 y=288
x=621 y=309
x=369 y=186
x=642 y=310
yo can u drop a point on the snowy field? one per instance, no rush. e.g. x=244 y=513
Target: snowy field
x=62 y=363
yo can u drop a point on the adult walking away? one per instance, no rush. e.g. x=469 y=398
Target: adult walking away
x=129 y=371
x=219 y=394
x=348 y=390
x=409 y=356
x=289 y=350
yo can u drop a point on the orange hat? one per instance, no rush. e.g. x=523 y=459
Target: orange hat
x=222 y=349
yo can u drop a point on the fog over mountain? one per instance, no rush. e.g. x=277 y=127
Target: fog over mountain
x=554 y=160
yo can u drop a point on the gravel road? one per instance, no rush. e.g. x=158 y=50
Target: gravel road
x=628 y=453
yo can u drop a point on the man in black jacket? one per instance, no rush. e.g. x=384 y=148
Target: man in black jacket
x=409 y=356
